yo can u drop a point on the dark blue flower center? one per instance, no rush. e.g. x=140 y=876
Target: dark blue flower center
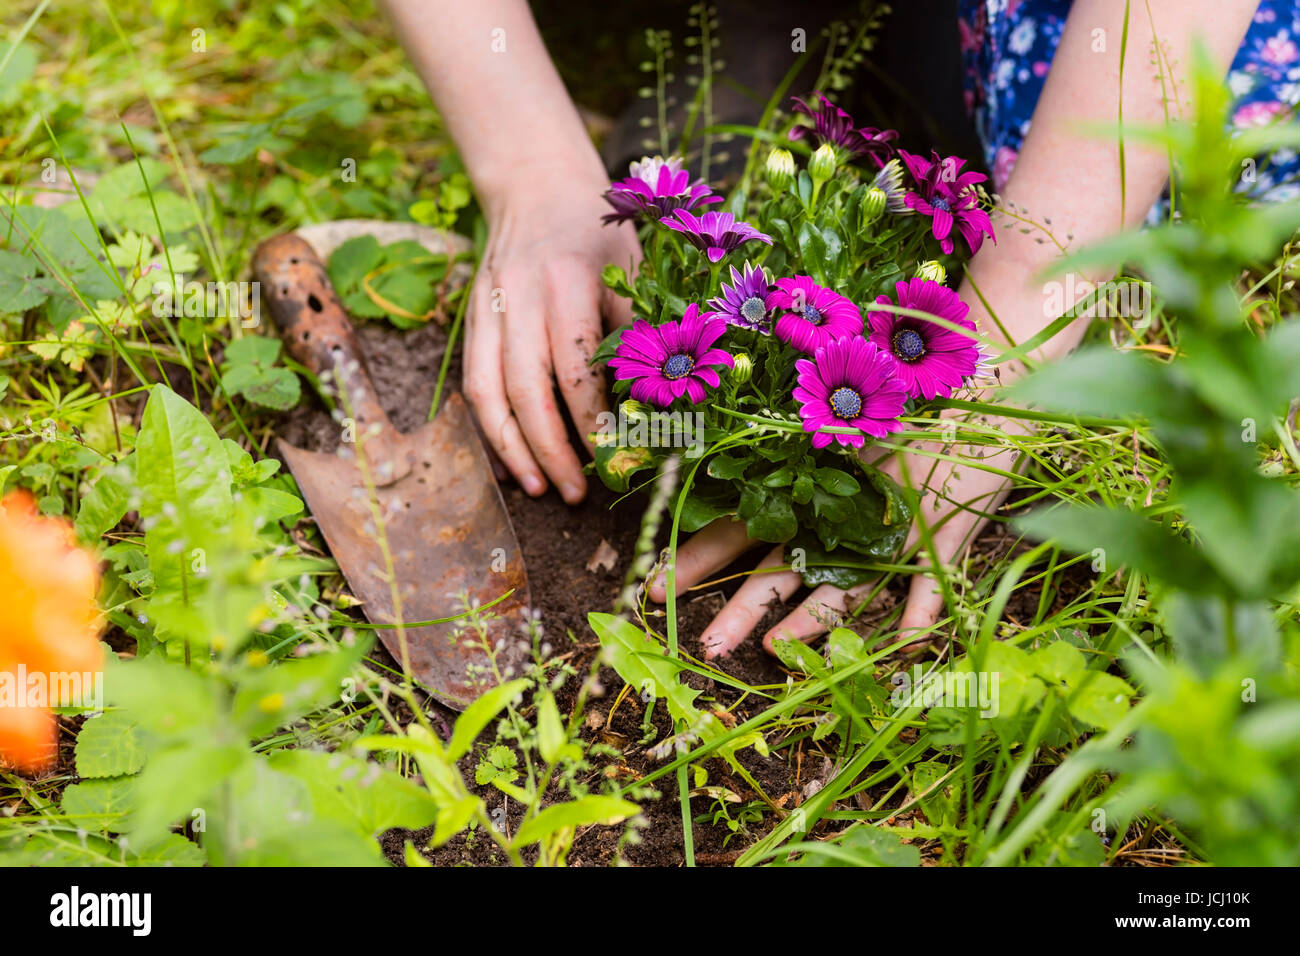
x=812 y=314
x=908 y=344
x=678 y=366
x=938 y=202
x=845 y=402
x=752 y=310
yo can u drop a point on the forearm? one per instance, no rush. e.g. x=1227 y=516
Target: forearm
x=488 y=71
x=1071 y=178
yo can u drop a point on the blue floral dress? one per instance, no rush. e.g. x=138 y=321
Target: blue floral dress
x=1007 y=48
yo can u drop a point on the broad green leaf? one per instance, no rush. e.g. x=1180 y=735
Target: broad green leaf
x=109 y=746
x=453 y=818
x=184 y=479
x=1118 y=538
x=481 y=713
x=107 y=502
x=357 y=792
x=1058 y=661
x=280 y=693
x=551 y=736
x=20 y=290
x=837 y=482
x=1098 y=698
x=100 y=804
x=602 y=810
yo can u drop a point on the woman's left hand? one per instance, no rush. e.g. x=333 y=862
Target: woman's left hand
x=955 y=497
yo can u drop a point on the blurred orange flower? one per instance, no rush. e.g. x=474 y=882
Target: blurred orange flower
x=48 y=626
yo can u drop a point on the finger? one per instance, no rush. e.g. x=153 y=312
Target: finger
x=711 y=550
x=484 y=384
x=573 y=299
x=747 y=606
x=530 y=386
x=924 y=605
x=925 y=600
x=811 y=619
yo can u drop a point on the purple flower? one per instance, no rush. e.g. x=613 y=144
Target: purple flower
x=656 y=187
x=833 y=125
x=714 y=233
x=849 y=383
x=744 y=302
x=944 y=192
x=932 y=360
x=665 y=361
x=815 y=316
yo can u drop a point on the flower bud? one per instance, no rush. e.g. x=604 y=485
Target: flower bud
x=779 y=170
x=743 y=367
x=632 y=410
x=932 y=270
x=822 y=165
x=873 y=205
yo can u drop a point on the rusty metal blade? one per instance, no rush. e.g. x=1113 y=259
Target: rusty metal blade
x=450 y=543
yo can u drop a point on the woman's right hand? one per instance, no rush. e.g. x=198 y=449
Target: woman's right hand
x=535 y=320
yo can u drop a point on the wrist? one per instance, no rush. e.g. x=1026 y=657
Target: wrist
x=559 y=173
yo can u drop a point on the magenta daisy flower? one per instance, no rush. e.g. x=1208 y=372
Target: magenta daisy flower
x=669 y=360
x=656 y=187
x=932 y=360
x=945 y=193
x=714 y=233
x=815 y=316
x=849 y=383
x=832 y=125
x=744 y=302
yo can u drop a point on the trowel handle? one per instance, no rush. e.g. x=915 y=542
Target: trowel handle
x=318 y=334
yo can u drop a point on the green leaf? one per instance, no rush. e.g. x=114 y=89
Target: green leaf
x=802 y=489
x=22 y=63
x=552 y=738
x=184 y=480
x=249 y=370
x=861 y=846
x=271 y=504
x=110 y=745
x=352 y=261
x=1098 y=698
x=724 y=466
x=107 y=502
x=20 y=290
x=644 y=664
x=1058 y=662
x=616 y=464
x=836 y=482
x=774 y=521
x=697 y=513
x=357 y=792
x=271 y=820
x=1124 y=538
x=481 y=713
x=601 y=810
x=100 y=804
x=280 y=693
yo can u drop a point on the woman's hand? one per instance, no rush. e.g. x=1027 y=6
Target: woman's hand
x=536 y=319
x=955 y=499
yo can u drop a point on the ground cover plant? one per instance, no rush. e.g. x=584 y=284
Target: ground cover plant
x=1136 y=598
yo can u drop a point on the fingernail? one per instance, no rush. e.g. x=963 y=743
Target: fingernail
x=572 y=492
x=533 y=484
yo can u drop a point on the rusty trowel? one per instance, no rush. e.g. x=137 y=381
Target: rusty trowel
x=445 y=526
